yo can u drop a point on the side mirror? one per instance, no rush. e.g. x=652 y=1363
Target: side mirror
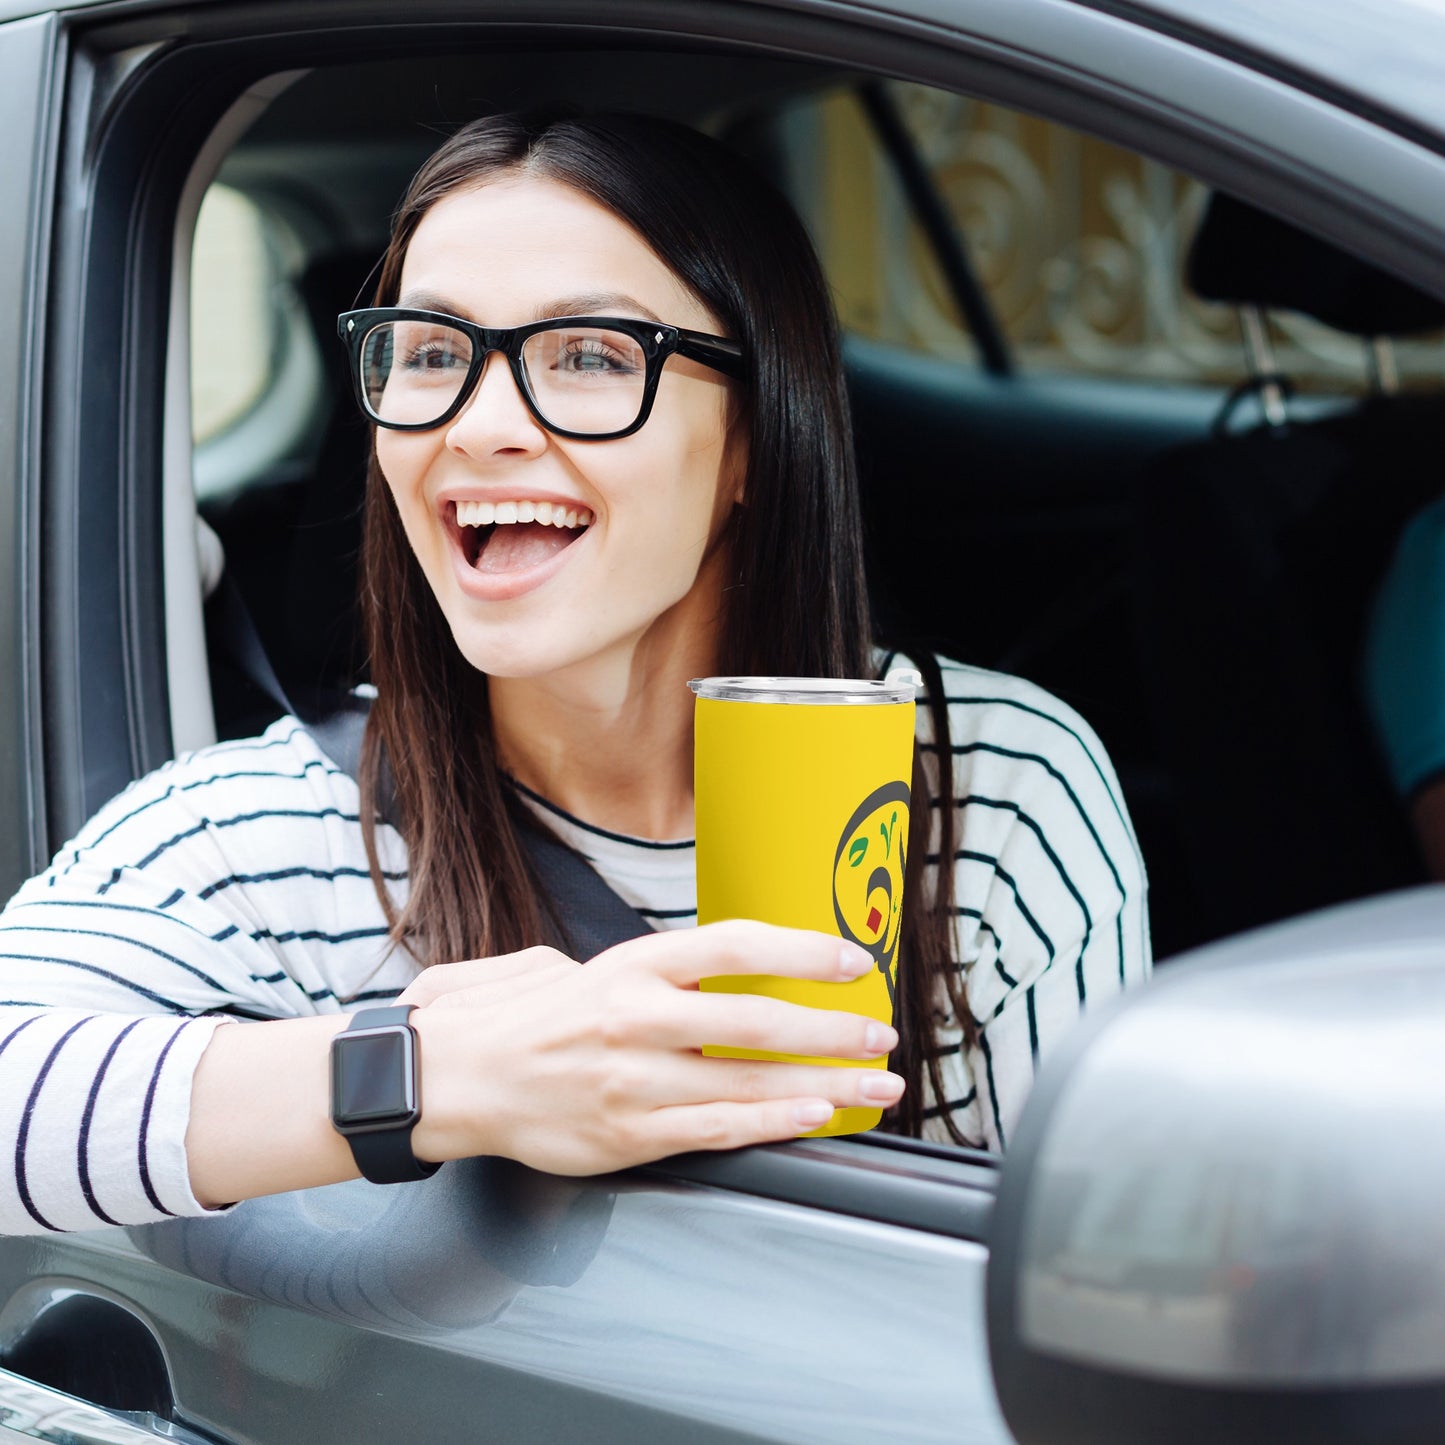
x=1222 y=1217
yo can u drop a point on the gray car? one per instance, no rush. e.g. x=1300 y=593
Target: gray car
x=1142 y=307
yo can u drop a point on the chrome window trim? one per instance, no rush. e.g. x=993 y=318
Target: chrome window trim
x=878 y=1177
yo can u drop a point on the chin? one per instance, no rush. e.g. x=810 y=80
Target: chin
x=546 y=641
x=521 y=653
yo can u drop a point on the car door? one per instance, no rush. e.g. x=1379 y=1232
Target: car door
x=828 y=1290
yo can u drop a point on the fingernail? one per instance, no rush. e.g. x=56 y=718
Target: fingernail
x=854 y=962
x=881 y=1088
x=879 y=1039
x=813 y=1113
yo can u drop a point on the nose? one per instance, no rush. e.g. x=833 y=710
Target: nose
x=496 y=419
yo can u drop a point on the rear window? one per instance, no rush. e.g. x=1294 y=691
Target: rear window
x=1080 y=247
x=234 y=321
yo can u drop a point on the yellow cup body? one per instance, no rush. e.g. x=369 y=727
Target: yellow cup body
x=802 y=820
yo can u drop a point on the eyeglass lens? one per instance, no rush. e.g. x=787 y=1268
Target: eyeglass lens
x=582 y=378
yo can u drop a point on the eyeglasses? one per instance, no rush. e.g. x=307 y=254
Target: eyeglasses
x=592 y=377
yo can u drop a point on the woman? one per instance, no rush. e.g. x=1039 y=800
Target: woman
x=554 y=544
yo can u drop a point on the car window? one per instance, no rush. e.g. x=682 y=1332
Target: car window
x=255 y=368
x=1079 y=245
x=234 y=323
x=886 y=280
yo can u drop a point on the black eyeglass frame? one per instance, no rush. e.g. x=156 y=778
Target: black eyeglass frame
x=657 y=340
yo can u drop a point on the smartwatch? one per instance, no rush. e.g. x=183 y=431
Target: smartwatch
x=376 y=1093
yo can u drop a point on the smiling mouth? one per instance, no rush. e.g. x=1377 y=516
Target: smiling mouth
x=515 y=536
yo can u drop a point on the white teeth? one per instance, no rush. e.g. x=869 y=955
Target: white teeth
x=502 y=514
x=475 y=514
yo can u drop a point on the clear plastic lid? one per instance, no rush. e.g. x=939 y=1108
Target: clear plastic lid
x=832 y=691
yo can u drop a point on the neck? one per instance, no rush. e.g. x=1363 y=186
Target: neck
x=610 y=739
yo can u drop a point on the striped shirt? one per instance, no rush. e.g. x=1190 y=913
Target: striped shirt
x=233 y=884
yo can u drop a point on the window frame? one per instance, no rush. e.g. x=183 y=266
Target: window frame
x=27 y=168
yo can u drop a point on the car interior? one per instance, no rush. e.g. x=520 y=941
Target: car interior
x=1144 y=445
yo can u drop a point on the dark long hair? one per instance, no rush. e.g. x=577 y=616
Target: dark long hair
x=798 y=602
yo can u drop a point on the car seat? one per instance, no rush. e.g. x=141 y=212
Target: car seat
x=291 y=548
x=328 y=653
x=1256 y=555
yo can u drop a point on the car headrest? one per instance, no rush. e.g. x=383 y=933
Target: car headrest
x=1243 y=257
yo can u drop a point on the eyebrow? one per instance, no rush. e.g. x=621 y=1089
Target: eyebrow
x=594 y=303
x=597 y=303
x=433 y=301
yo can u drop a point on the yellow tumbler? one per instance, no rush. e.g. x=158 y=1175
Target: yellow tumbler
x=802 y=798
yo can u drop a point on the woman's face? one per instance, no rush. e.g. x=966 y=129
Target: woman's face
x=536 y=599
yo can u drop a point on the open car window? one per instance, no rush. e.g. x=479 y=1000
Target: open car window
x=1035 y=559
x=257 y=398
x=236 y=331
x=1079 y=246
x=291 y=537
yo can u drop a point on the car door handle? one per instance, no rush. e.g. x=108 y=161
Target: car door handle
x=31 y=1412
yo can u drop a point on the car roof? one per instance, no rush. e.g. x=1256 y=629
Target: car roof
x=1381 y=59
x=1385 y=56
x=345 y=141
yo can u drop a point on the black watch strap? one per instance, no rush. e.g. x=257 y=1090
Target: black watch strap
x=387 y=1158
x=382 y=1150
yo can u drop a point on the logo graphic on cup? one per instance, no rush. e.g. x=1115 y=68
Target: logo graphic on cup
x=868 y=871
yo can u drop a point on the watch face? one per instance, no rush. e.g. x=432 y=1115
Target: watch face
x=371 y=1077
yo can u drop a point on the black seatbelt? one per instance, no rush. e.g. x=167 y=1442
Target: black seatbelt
x=593 y=917
x=232 y=620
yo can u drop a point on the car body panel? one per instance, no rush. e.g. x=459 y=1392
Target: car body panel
x=494 y=1303
x=27 y=48
x=1385 y=55
x=1380 y=54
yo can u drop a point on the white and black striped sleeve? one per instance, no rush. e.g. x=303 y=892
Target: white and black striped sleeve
x=230 y=884
x=1050 y=890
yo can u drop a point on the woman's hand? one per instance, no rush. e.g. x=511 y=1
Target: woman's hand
x=583 y=1070
x=469 y=985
